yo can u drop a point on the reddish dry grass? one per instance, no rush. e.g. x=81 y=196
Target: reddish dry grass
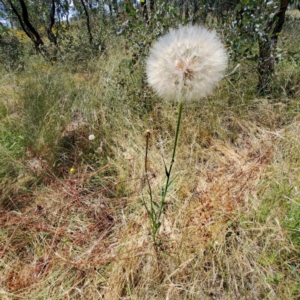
x=74 y=225
x=46 y=216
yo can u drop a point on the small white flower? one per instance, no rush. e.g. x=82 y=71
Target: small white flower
x=91 y=137
x=186 y=64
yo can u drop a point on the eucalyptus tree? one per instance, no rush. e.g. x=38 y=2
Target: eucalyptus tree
x=196 y=10
x=20 y=10
x=83 y=7
x=261 y=22
x=267 y=46
x=34 y=17
x=245 y=24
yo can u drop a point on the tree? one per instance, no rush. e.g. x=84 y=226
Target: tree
x=261 y=22
x=25 y=23
x=267 y=46
x=87 y=16
x=30 y=16
x=144 y=10
x=51 y=36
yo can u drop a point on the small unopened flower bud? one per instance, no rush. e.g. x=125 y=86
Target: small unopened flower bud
x=147 y=133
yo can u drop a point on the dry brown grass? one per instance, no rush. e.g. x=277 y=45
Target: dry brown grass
x=86 y=235
x=72 y=239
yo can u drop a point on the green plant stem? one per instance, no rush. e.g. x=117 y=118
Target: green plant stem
x=168 y=172
x=156 y=213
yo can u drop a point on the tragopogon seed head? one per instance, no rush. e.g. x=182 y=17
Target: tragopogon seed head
x=186 y=63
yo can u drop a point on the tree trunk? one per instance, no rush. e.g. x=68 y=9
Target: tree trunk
x=181 y=8
x=195 y=11
x=267 y=46
x=51 y=35
x=87 y=21
x=144 y=10
x=27 y=27
x=115 y=6
x=110 y=9
x=152 y=5
x=265 y=66
x=186 y=12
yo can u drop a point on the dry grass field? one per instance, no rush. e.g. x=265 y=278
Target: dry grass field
x=73 y=224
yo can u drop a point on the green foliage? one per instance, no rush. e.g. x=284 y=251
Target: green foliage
x=11 y=150
x=245 y=26
x=293 y=220
x=166 y=16
x=11 y=51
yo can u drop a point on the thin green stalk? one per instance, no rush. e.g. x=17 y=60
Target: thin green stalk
x=156 y=209
x=168 y=172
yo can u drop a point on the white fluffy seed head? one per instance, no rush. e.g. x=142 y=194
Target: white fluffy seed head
x=186 y=63
x=91 y=137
